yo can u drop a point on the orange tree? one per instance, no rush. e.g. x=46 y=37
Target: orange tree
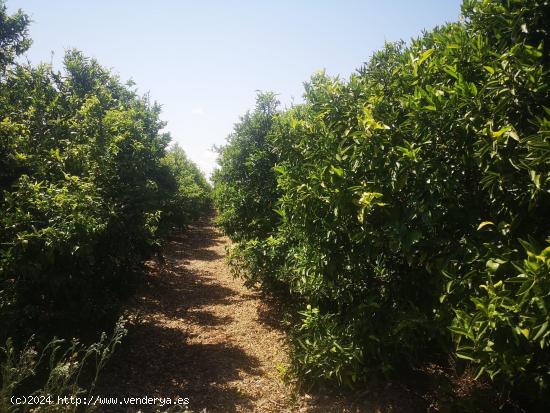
x=86 y=188
x=413 y=203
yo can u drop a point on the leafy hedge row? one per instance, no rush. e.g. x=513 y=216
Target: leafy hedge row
x=406 y=210
x=87 y=186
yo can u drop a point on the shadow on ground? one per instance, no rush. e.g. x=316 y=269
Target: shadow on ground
x=195 y=243
x=156 y=359
x=165 y=365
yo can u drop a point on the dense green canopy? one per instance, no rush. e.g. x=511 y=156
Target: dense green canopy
x=87 y=187
x=405 y=210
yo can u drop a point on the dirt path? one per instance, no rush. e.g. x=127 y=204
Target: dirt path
x=198 y=333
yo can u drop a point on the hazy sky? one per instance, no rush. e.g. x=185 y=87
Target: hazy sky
x=204 y=60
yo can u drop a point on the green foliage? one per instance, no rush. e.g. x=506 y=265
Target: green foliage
x=403 y=197
x=13 y=35
x=325 y=349
x=245 y=190
x=87 y=188
x=193 y=192
x=58 y=366
x=245 y=195
x=257 y=261
x=507 y=334
x=83 y=156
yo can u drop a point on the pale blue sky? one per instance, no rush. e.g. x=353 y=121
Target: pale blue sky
x=204 y=60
